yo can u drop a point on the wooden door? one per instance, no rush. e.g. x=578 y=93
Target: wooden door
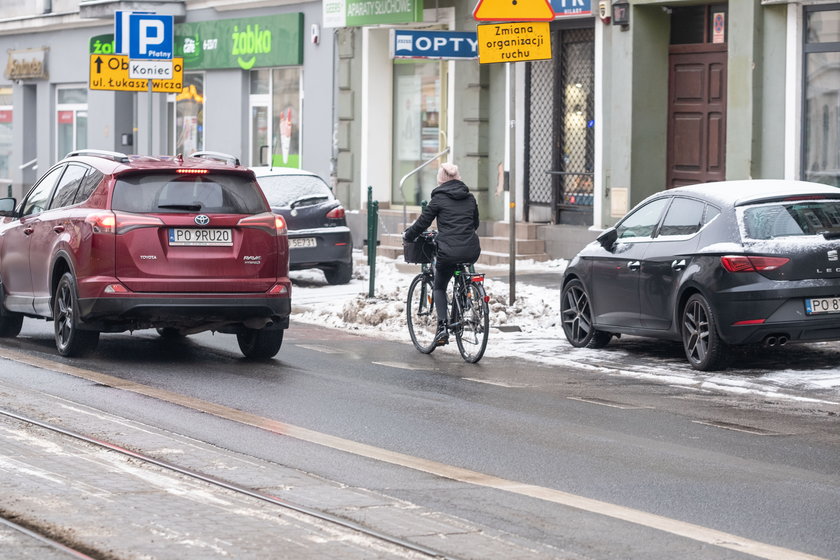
x=696 y=117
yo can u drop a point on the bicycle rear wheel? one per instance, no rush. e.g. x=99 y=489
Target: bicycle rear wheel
x=420 y=313
x=472 y=334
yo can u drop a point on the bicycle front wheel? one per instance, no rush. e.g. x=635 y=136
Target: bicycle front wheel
x=420 y=313
x=474 y=329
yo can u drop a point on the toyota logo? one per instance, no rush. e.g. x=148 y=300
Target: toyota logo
x=202 y=220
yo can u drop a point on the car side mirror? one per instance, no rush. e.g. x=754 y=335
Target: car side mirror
x=7 y=207
x=608 y=238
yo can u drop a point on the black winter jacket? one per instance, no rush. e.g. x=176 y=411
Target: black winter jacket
x=456 y=211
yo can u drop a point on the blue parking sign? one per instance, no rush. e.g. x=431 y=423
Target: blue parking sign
x=150 y=36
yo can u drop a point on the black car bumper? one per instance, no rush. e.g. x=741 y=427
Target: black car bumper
x=117 y=314
x=332 y=246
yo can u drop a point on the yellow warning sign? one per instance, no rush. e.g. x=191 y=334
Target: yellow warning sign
x=513 y=10
x=514 y=42
x=111 y=72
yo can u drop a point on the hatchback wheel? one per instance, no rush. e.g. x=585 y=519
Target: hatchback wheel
x=69 y=338
x=576 y=314
x=260 y=344
x=340 y=274
x=703 y=346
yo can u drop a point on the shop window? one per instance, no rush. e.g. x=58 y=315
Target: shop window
x=821 y=102
x=275 y=103
x=71 y=120
x=417 y=126
x=189 y=116
x=6 y=115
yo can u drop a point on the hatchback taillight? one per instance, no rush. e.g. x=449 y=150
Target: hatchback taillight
x=336 y=213
x=273 y=224
x=744 y=263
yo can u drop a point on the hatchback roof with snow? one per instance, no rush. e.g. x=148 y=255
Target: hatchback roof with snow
x=113 y=242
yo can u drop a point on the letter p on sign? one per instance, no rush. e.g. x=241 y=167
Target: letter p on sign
x=150 y=36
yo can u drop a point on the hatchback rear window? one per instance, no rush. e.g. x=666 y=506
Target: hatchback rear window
x=286 y=190
x=161 y=193
x=791 y=219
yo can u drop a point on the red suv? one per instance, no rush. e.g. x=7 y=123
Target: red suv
x=106 y=242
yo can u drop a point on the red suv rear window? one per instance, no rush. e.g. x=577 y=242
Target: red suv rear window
x=160 y=193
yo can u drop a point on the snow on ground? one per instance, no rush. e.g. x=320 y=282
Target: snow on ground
x=540 y=338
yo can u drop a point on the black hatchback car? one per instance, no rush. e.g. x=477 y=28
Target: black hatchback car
x=713 y=265
x=318 y=232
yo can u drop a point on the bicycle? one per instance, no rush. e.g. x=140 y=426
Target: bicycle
x=467 y=304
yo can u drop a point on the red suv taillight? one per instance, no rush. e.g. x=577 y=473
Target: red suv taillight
x=336 y=213
x=744 y=263
x=102 y=222
x=120 y=222
x=273 y=224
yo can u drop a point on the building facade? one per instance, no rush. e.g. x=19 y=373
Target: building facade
x=638 y=96
x=696 y=92
x=257 y=82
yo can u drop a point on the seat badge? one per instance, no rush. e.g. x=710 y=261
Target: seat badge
x=202 y=219
x=832 y=255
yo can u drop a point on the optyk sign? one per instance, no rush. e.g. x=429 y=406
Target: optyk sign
x=433 y=44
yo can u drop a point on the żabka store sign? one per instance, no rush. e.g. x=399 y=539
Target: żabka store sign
x=355 y=13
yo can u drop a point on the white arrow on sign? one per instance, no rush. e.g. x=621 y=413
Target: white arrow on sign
x=150 y=69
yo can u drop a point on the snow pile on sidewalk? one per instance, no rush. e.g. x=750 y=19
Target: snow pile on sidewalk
x=535 y=308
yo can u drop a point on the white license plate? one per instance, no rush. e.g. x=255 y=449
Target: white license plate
x=209 y=237
x=815 y=306
x=302 y=242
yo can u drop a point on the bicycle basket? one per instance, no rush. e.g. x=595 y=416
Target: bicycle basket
x=420 y=251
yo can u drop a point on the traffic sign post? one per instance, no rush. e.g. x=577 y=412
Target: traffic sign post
x=151 y=42
x=513 y=42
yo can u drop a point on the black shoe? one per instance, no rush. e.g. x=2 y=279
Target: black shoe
x=442 y=336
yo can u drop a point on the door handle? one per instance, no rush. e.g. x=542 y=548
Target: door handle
x=28 y=230
x=634 y=265
x=678 y=264
x=58 y=229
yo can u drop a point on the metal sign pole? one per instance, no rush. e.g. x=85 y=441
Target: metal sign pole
x=512 y=179
x=149 y=129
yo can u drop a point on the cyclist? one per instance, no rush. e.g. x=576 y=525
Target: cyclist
x=456 y=212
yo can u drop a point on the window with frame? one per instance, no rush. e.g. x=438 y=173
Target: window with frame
x=821 y=95
x=188 y=129
x=71 y=119
x=276 y=103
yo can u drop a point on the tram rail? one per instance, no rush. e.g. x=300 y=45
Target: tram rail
x=215 y=481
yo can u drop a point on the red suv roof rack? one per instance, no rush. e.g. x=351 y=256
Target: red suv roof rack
x=227 y=158
x=114 y=156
